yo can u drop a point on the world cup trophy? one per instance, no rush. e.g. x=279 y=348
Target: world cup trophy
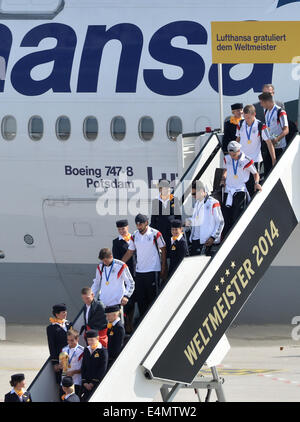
x=64 y=360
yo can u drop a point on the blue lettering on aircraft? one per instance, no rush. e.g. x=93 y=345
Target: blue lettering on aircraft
x=260 y=74
x=192 y=64
x=131 y=39
x=284 y=2
x=5 y=47
x=61 y=56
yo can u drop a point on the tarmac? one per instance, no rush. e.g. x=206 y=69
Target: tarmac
x=263 y=364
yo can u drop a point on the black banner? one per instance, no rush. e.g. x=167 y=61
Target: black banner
x=229 y=289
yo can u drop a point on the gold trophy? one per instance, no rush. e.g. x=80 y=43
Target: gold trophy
x=64 y=361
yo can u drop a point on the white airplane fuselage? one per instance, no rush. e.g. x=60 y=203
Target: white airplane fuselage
x=104 y=59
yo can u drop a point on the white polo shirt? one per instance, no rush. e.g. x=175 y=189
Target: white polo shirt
x=148 y=258
x=250 y=139
x=275 y=126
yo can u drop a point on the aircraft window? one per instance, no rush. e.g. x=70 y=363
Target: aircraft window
x=63 y=128
x=146 y=128
x=90 y=128
x=36 y=128
x=9 y=128
x=174 y=127
x=118 y=128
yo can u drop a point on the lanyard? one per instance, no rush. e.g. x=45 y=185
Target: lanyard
x=70 y=360
x=269 y=120
x=235 y=167
x=107 y=277
x=249 y=134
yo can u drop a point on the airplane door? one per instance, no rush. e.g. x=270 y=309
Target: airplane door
x=76 y=234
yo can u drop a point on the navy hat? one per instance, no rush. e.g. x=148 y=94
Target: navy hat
x=176 y=224
x=140 y=218
x=110 y=309
x=56 y=309
x=122 y=223
x=92 y=334
x=67 y=382
x=236 y=106
x=17 y=378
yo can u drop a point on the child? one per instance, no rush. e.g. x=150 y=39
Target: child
x=115 y=333
x=94 y=365
x=68 y=389
x=179 y=247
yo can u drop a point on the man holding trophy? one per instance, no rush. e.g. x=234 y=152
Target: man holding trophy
x=70 y=359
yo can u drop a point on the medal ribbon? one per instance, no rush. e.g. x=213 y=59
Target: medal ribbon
x=249 y=134
x=235 y=167
x=70 y=360
x=107 y=277
x=269 y=120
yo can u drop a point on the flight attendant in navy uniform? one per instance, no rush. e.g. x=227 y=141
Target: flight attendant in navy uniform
x=179 y=247
x=164 y=210
x=94 y=365
x=115 y=333
x=18 y=394
x=57 y=336
x=230 y=125
x=119 y=248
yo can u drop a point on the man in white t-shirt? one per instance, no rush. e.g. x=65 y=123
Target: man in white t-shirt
x=276 y=121
x=148 y=244
x=75 y=353
x=251 y=133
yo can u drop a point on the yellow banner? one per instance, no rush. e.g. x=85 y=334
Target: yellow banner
x=255 y=42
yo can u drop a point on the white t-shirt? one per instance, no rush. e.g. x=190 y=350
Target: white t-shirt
x=148 y=258
x=274 y=126
x=250 y=139
x=75 y=361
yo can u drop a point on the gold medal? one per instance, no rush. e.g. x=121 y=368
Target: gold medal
x=107 y=283
x=236 y=176
x=249 y=141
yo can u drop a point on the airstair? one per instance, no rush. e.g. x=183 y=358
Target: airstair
x=185 y=327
